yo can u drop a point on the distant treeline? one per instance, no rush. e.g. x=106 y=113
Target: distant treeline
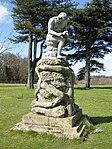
x=101 y=80
x=98 y=80
x=101 y=76
x=13 y=68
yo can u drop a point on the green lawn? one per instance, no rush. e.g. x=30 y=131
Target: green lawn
x=15 y=101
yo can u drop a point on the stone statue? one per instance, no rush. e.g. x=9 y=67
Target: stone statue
x=57 y=35
x=53 y=111
x=55 y=91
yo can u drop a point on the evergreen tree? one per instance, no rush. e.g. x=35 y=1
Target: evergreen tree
x=30 y=26
x=30 y=20
x=91 y=37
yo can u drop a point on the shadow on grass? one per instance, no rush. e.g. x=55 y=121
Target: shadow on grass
x=79 y=88
x=100 y=120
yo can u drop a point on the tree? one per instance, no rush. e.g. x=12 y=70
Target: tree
x=95 y=66
x=23 y=70
x=30 y=20
x=9 y=68
x=13 y=68
x=92 y=37
x=5 y=44
x=29 y=24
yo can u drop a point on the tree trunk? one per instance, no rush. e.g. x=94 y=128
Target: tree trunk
x=29 y=81
x=87 y=69
x=36 y=59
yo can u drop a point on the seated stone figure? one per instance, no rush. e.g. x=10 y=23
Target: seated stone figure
x=57 y=34
x=55 y=87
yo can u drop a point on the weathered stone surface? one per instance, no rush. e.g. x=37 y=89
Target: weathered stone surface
x=53 y=111
x=58 y=111
x=40 y=119
x=61 y=127
x=54 y=62
x=55 y=89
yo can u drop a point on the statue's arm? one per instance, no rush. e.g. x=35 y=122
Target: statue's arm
x=65 y=29
x=51 y=30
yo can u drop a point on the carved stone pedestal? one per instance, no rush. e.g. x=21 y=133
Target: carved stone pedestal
x=54 y=111
x=69 y=127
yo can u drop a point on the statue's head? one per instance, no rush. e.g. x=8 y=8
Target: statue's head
x=62 y=15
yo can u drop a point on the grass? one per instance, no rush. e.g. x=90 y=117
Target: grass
x=15 y=101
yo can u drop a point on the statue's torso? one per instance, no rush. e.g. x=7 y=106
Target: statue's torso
x=58 y=26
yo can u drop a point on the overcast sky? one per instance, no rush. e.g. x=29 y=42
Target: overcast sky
x=6 y=29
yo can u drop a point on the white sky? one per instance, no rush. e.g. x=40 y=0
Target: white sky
x=6 y=28
x=3 y=13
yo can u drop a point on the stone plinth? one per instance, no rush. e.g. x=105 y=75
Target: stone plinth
x=53 y=111
x=69 y=127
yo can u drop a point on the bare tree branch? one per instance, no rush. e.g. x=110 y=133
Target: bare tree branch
x=6 y=45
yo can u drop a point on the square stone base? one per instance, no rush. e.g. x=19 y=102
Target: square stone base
x=70 y=127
